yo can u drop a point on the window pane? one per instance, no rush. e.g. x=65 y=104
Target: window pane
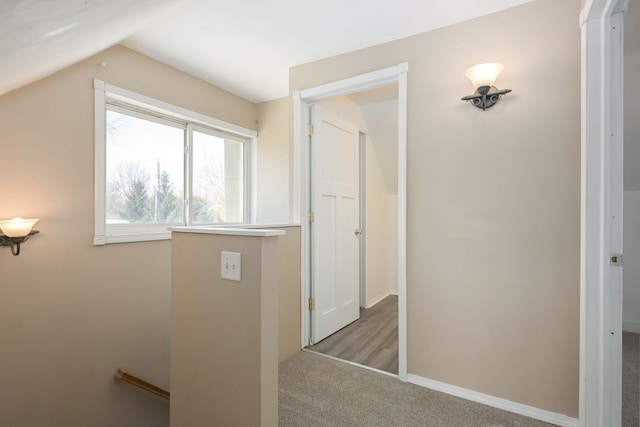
x=218 y=180
x=145 y=171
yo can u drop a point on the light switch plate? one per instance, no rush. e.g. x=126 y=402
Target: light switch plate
x=231 y=266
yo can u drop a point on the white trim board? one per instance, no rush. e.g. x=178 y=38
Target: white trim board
x=229 y=231
x=379 y=298
x=355 y=84
x=495 y=402
x=301 y=101
x=601 y=23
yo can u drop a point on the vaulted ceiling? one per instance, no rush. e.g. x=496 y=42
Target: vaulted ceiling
x=243 y=46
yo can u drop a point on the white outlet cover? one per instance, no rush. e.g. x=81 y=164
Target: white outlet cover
x=231 y=266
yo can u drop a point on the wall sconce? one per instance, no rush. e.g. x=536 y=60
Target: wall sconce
x=15 y=231
x=482 y=77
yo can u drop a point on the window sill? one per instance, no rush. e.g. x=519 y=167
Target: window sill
x=130 y=238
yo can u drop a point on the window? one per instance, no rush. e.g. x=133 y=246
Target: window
x=158 y=165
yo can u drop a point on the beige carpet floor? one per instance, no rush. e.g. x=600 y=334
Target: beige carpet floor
x=317 y=391
x=630 y=379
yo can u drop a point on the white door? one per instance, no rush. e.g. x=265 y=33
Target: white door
x=335 y=260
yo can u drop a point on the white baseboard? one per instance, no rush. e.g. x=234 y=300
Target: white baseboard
x=496 y=402
x=377 y=299
x=631 y=326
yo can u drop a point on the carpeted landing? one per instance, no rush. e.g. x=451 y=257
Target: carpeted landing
x=630 y=379
x=317 y=391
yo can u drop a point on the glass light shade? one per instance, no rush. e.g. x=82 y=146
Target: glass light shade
x=17 y=227
x=484 y=74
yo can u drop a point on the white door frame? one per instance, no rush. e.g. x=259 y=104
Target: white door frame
x=301 y=101
x=601 y=22
x=362 y=189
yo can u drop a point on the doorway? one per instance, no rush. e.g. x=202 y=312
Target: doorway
x=368 y=337
x=302 y=175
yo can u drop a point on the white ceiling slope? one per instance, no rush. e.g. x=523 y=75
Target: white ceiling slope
x=40 y=37
x=243 y=46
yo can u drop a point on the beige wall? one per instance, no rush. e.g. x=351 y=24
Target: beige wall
x=71 y=313
x=273 y=162
x=224 y=347
x=381 y=234
x=380 y=231
x=289 y=294
x=493 y=202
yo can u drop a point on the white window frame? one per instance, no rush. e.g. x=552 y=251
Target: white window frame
x=104 y=92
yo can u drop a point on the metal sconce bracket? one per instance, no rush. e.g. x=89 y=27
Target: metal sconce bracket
x=14 y=242
x=485 y=96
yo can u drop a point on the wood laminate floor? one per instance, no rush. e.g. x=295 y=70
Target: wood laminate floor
x=371 y=340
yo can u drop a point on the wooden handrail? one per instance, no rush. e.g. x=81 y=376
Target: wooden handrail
x=151 y=388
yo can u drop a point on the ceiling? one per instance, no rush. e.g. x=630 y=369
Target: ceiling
x=243 y=46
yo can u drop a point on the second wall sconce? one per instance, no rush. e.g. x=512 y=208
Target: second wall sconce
x=483 y=78
x=15 y=231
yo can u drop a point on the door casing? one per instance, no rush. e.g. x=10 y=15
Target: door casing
x=363 y=220
x=601 y=23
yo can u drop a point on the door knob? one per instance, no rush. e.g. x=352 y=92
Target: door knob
x=358 y=232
